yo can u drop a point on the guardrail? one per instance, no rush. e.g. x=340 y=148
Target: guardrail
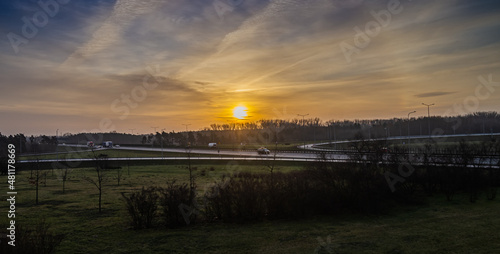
x=483 y=161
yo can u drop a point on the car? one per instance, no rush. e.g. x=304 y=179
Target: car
x=107 y=144
x=263 y=150
x=385 y=150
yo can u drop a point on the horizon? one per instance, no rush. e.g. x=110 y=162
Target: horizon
x=322 y=123
x=78 y=66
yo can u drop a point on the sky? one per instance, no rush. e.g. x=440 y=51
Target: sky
x=130 y=65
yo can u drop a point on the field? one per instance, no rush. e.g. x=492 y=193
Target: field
x=437 y=227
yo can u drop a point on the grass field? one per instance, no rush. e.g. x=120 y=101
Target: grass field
x=438 y=227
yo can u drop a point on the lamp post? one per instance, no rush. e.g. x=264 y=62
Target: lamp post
x=330 y=125
x=409 y=131
x=334 y=137
x=428 y=116
x=303 y=120
x=153 y=136
x=57 y=143
x=187 y=134
x=186 y=126
x=161 y=140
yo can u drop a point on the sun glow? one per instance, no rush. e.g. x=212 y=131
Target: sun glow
x=240 y=112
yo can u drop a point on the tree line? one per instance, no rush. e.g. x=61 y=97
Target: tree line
x=271 y=131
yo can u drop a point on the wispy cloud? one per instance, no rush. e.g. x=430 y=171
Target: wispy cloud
x=263 y=54
x=432 y=94
x=123 y=14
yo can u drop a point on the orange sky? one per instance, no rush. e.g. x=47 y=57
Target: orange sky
x=136 y=64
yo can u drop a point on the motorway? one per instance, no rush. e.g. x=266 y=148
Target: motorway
x=403 y=138
x=215 y=154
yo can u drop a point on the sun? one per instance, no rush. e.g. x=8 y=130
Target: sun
x=240 y=112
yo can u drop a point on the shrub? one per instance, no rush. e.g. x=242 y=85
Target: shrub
x=35 y=239
x=173 y=199
x=142 y=206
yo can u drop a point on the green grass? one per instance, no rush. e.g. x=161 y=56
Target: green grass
x=438 y=227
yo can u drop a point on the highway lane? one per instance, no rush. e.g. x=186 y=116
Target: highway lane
x=178 y=158
x=403 y=138
x=279 y=156
x=223 y=152
x=212 y=151
x=216 y=154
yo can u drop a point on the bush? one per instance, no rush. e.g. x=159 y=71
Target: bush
x=174 y=199
x=218 y=200
x=142 y=206
x=35 y=239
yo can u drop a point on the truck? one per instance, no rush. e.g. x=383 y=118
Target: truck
x=107 y=144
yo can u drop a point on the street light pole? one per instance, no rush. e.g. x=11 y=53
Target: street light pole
x=330 y=125
x=334 y=136
x=409 y=131
x=187 y=135
x=57 y=143
x=428 y=116
x=186 y=125
x=161 y=140
x=303 y=120
x=153 y=136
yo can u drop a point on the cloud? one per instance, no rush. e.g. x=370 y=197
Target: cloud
x=124 y=12
x=433 y=94
x=264 y=54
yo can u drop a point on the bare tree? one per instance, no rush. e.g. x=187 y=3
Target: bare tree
x=36 y=179
x=64 y=173
x=119 y=175
x=100 y=174
x=192 y=177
